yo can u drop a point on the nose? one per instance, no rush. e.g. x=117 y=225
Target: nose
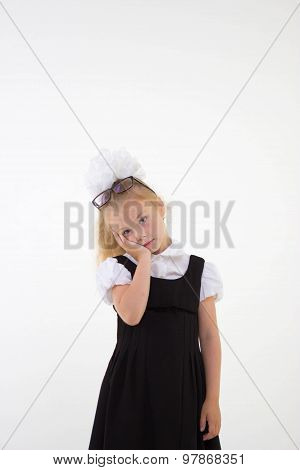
x=142 y=238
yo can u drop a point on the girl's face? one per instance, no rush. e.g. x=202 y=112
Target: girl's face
x=139 y=222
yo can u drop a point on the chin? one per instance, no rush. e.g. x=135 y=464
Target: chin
x=154 y=248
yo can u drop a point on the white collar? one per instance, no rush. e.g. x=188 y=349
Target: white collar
x=169 y=251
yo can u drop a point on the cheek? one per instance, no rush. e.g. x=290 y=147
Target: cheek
x=153 y=227
x=161 y=226
x=150 y=226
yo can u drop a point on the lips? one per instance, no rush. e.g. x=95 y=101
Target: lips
x=148 y=243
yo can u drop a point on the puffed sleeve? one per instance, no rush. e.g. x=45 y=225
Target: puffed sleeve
x=109 y=273
x=211 y=283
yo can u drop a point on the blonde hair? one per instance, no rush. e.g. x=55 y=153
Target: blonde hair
x=107 y=245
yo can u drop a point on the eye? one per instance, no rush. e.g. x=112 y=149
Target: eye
x=127 y=230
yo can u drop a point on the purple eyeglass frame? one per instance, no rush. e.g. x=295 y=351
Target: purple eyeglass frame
x=112 y=188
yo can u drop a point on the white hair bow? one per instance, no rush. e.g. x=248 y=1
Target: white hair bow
x=106 y=167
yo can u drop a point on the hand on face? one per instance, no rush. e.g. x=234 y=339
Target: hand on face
x=134 y=249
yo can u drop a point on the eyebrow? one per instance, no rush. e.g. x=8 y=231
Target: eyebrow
x=136 y=218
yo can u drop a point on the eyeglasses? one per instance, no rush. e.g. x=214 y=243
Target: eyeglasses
x=118 y=187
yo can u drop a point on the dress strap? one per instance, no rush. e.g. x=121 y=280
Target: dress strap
x=130 y=265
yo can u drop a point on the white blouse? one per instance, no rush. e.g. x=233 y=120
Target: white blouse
x=171 y=263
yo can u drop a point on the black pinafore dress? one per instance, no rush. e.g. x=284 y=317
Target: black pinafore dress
x=154 y=386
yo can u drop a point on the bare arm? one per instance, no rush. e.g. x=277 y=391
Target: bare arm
x=210 y=347
x=131 y=300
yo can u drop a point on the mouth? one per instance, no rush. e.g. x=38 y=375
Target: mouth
x=148 y=243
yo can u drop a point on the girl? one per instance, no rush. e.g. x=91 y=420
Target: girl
x=159 y=391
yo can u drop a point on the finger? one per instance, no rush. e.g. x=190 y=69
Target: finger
x=208 y=435
x=203 y=422
x=129 y=243
x=116 y=235
x=212 y=431
x=121 y=238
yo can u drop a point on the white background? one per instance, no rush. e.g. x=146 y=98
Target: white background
x=162 y=78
